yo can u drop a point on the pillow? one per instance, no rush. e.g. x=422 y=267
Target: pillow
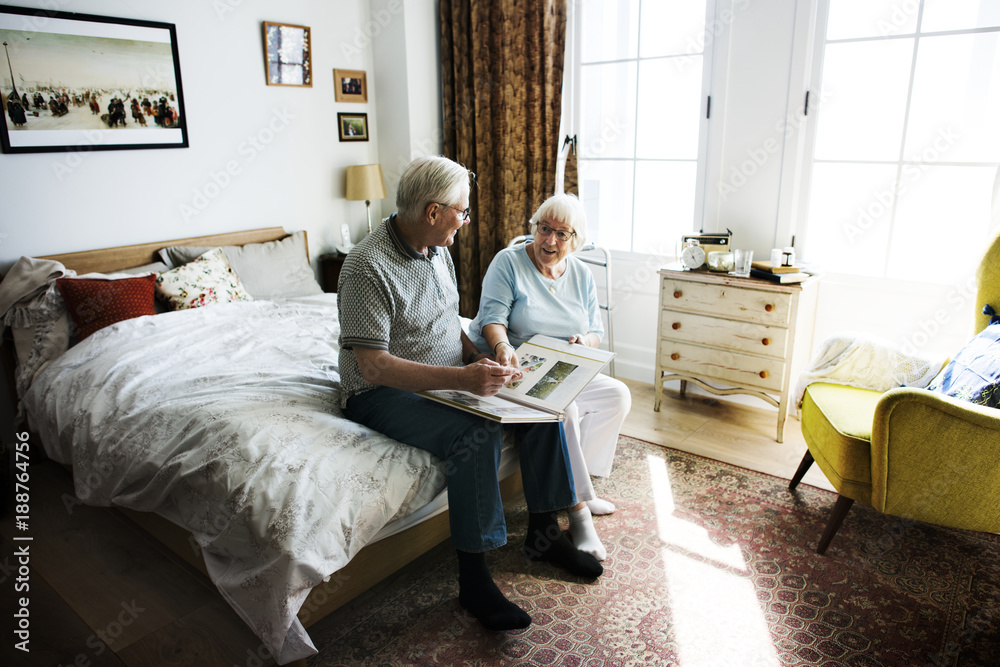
x=974 y=373
x=272 y=270
x=208 y=279
x=94 y=304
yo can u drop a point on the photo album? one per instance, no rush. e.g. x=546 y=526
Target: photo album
x=555 y=372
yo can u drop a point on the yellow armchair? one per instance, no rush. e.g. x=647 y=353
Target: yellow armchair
x=911 y=453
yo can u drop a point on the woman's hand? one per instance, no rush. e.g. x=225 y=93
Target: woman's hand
x=507 y=356
x=588 y=339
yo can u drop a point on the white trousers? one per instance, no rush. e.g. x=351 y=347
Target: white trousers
x=592 y=424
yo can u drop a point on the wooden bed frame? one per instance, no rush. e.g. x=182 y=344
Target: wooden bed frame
x=374 y=562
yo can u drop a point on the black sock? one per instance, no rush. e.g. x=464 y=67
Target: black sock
x=479 y=595
x=546 y=541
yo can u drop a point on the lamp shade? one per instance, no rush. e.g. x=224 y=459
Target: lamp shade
x=365 y=182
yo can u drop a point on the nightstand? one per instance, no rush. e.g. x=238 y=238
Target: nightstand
x=329 y=270
x=731 y=335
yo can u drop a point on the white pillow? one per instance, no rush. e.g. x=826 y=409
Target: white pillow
x=271 y=270
x=206 y=280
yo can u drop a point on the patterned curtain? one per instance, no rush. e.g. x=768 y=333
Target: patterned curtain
x=502 y=73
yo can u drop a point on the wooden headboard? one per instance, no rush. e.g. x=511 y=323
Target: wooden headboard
x=126 y=257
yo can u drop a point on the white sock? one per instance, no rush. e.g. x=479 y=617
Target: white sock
x=600 y=506
x=581 y=529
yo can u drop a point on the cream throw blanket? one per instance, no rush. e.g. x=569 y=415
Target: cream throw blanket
x=31 y=305
x=861 y=360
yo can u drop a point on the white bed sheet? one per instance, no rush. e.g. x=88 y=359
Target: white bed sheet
x=225 y=420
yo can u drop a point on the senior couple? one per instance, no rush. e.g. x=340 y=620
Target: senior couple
x=401 y=333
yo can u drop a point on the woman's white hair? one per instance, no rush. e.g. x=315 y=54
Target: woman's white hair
x=431 y=178
x=566 y=209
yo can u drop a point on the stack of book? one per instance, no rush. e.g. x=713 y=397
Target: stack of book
x=777 y=274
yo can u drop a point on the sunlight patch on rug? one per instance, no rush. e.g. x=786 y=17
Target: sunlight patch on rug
x=715 y=611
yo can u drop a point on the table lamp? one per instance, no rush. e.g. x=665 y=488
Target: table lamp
x=365 y=182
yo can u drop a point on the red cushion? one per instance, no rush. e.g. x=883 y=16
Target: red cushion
x=94 y=304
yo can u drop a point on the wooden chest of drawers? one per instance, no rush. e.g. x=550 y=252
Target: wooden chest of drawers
x=733 y=335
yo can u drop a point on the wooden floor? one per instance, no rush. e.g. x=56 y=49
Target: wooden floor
x=103 y=593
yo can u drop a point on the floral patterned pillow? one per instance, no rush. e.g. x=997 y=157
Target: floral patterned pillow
x=206 y=280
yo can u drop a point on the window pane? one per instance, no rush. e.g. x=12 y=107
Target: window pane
x=610 y=30
x=871 y=18
x=607 y=198
x=850 y=208
x=669 y=113
x=955 y=107
x=864 y=99
x=608 y=108
x=944 y=204
x=669 y=27
x=959 y=14
x=664 y=205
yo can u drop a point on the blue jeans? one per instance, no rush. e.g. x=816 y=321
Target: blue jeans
x=470 y=448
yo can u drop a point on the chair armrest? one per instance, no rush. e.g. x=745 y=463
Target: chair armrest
x=934 y=459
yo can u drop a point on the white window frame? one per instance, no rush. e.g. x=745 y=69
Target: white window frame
x=798 y=197
x=716 y=37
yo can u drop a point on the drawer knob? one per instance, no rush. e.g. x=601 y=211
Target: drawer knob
x=769 y=307
x=675 y=326
x=763 y=375
x=766 y=341
x=675 y=356
x=678 y=294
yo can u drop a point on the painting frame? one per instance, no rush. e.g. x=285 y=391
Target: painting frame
x=350 y=85
x=297 y=71
x=349 y=122
x=75 y=58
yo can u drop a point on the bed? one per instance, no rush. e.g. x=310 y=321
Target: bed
x=219 y=426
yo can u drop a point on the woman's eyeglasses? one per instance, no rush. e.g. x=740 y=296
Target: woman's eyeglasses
x=465 y=213
x=545 y=230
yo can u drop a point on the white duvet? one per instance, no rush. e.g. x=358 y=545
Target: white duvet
x=225 y=420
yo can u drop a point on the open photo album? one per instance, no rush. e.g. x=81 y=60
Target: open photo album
x=555 y=372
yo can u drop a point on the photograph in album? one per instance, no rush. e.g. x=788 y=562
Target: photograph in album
x=555 y=372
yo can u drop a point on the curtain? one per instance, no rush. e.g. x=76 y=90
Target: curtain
x=502 y=74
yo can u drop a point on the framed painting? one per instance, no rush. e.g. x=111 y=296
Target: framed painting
x=353 y=126
x=350 y=85
x=73 y=82
x=288 y=54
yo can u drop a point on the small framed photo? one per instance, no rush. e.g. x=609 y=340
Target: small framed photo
x=350 y=85
x=288 y=54
x=353 y=126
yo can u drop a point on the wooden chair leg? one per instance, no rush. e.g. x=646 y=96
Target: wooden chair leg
x=840 y=511
x=807 y=461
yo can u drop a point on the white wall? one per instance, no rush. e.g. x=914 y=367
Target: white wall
x=280 y=144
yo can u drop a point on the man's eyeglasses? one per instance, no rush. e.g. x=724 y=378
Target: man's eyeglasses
x=465 y=213
x=545 y=230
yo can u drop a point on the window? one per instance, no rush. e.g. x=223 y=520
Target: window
x=644 y=68
x=907 y=138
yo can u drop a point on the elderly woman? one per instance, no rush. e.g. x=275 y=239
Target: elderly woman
x=540 y=288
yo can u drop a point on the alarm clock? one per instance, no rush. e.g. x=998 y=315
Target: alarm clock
x=693 y=255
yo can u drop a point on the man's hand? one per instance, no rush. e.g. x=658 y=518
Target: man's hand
x=487 y=377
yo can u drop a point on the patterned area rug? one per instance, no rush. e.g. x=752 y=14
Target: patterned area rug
x=708 y=564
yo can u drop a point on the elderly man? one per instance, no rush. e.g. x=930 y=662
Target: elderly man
x=400 y=333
